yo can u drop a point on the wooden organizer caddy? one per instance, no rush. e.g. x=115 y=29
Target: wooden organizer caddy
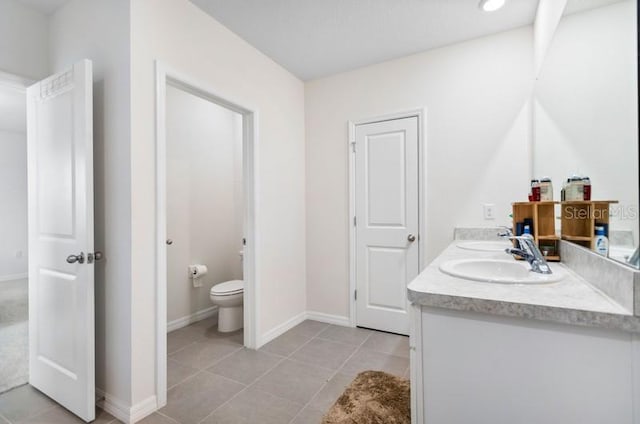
x=542 y=214
x=580 y=217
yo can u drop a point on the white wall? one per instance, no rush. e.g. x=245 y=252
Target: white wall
x=204 y=213
x=476 y=96
x=23 y=40
x=586 y=116
x=184 y=37
x=99 y=30
x=13 y=203
x=548 y=17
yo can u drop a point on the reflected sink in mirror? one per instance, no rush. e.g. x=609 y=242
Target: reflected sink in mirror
x=485 y=246
x=501 y=271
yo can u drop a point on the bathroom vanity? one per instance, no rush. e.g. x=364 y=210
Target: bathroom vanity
x=531 y=352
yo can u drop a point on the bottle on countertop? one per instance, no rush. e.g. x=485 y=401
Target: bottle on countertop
x=586 y=192
x=546 y=190
x=574 y=189
x=535 y=190
x=601 y=242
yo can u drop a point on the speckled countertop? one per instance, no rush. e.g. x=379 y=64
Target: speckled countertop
x=573 y=300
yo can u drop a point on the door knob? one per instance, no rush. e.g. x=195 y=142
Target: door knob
x=169 y=242
x=95 y=256
x=411 y=238
x=76 y=258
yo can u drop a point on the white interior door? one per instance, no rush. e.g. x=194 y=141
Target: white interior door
x=387 y=253
x=61 y=269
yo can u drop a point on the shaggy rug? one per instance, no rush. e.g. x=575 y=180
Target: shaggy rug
x=374 y=397
x=14 y=334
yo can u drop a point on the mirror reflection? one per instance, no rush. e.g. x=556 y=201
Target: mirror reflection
x=586 y=125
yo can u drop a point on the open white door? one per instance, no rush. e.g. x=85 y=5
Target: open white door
x=61 y=257
x=387 y=253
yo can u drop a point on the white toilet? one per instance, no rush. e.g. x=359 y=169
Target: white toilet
x=229 y=298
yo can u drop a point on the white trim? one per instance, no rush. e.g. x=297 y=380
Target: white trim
x=329 y=319
x=165 y=75
x=12 y=277
x=416 y=351
x=421 y=114
x=635 y=383
x=282 y=328
x=179 y=323
x=123 y=412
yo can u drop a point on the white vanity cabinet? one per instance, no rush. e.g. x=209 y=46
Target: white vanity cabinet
x=469 y=367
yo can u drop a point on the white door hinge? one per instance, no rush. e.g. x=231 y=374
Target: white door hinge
x=353 y=146
x=355 y=295
x=354 y=221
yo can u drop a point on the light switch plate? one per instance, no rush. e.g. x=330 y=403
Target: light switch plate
x=489 y=212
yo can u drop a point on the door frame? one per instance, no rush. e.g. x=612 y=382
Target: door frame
x=419 y=113
x=165 y=75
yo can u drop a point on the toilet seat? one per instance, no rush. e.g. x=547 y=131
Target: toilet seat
x=228 y=288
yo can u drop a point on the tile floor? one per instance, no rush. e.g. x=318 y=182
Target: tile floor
x=213 y=379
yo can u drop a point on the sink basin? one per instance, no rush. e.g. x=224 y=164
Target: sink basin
x=501 y=271
x=485 y=246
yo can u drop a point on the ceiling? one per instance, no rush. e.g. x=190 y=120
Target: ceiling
x=316 y=38
x=13 y=110
x=44 y=6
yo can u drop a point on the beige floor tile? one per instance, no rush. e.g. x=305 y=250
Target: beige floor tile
x=254 y=406
x=177 y=372
x=191 y=401
x=347 y=335
x=364 y=360
x=246 y=365
x=203 y=354
x=22 y=403
x=330 y=392
x=324 y=353
x=156 y=418
x=181 y=338
x=309 y=416
x=59 y=415
x=293 y=380
x=392 y=344
x=286 y=344
x=309 y=328
x=208 y=329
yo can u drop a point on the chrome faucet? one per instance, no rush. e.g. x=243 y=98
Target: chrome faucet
x=506 y=232
x=530 y=252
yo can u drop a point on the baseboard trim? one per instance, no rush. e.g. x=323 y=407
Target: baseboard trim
x=190 y=319
x=281 y=329
x=11 y=277
x=329 y=319
x=123 y=412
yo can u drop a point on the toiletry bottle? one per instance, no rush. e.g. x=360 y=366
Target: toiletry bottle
x=535 y=190
x=586 y=192
x=546 y=190
x=601 y=242
x=575 y=189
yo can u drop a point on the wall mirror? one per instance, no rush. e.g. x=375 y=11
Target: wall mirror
x=585 y=118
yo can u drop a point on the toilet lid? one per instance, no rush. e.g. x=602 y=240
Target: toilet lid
x=228 y=287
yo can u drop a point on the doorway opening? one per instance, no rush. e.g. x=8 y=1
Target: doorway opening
x=205 y=226
x=14 y=283
x=387 y=218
